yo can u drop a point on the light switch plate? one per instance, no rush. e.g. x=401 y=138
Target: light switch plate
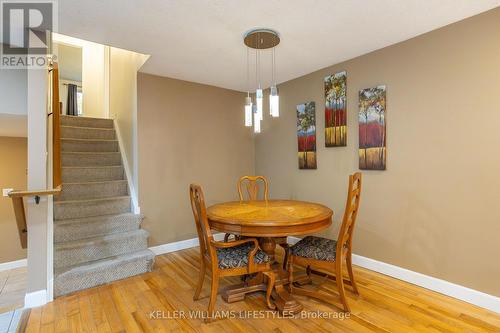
x=6 y=191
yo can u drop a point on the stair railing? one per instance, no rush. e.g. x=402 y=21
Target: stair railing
x=54 y=110
x=56 y=127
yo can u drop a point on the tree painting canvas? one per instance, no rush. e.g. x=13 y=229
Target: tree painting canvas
x=372 y=131
x=335 y=110
x=306 y=134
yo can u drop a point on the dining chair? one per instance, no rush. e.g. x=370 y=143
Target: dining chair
x=235 y=258
x=328 y=255
x=251 y=184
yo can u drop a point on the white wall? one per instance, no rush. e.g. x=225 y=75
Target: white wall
x=39 y=217
x=95 y=68
x=123 y=107
x=13 y=102
x=93 y=80
x=13 y=98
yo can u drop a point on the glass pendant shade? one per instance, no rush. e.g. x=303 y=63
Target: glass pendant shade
x=274 y=102
x=259 y=96
x=248 y=112
x=256 y=120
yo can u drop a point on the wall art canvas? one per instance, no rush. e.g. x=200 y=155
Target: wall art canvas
x=306 y=134
x=372 y=130
x=335 y=110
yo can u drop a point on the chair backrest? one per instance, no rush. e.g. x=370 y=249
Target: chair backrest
x=344 y=241
x=252 y=186
x=200 y=217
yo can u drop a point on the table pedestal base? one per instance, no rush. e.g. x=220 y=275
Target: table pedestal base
x=282 y=299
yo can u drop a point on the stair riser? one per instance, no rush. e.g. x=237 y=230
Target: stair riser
x=78 y=175
x=69 y=257
x=92 y=191
x=104 y=159
x=92 y=146
x=74 y=281
x=97 y=227
x=86 y=122
x=73 y=210
x=87 y=133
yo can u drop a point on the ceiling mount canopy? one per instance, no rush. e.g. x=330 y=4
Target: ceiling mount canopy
x=261 y=39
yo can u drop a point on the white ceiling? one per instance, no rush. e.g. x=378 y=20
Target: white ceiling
x=201 y=40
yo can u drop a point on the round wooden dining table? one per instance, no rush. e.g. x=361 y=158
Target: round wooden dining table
x=271 y=221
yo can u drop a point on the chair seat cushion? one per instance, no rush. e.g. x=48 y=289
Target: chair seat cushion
x=233 y=257
x=313 y=247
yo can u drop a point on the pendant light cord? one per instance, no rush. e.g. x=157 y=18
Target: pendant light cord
x=274 y=68
x=274 y=62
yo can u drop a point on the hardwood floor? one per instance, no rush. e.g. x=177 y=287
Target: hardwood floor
x=385 y=305
x=12 y=289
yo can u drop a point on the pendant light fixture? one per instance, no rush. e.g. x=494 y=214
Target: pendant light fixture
x=274 y=98
x=259 y=96
x=248 y=111
x=256 y=120
x=248 y=99
x=261 y=39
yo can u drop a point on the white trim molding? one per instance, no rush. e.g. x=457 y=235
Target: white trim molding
x=128 y=172
x=468 y=295
x=5 y=266
x=181 y=245
x=35 y=299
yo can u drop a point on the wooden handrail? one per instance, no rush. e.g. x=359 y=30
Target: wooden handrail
x=22 y=228
x=56 y=129
x=19 y=194
x=18 y=204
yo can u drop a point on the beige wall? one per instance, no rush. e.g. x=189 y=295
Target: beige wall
x=187 y=133
x=14 y=152
x=434 y=210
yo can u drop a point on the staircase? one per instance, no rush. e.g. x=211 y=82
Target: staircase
x=97 y=238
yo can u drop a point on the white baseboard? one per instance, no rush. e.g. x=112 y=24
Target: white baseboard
x=468 y=295
x=13 y=264
x=181 y=245
x=35 y=299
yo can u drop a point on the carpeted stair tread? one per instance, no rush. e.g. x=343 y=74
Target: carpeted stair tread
x=91 y=207
x=87 y=227
x=100 y=247
x=75 y=132
x=88 y=145
x=92 y=190
x=97 y=237
x=89 y=174
x=91 y=274
x=76 y=121
x=91 y=159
